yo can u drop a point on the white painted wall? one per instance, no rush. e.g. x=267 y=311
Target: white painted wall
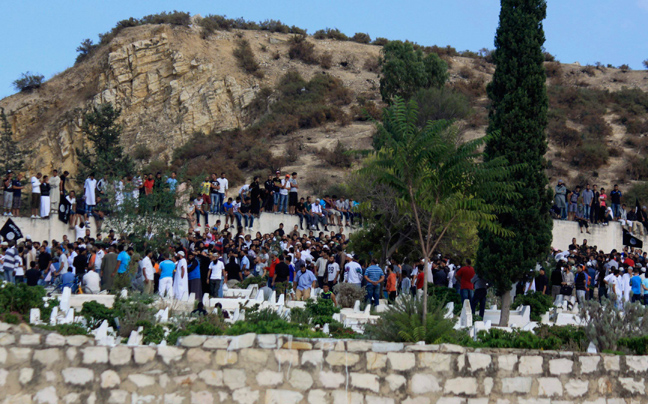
x=604 y=237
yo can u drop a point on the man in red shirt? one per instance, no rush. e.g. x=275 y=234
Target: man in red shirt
x=420 y=279
x=271 y=269
x=464 y=275
x=148 y=185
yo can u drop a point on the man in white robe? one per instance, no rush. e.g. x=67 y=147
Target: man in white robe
x=181 y=278
x=55 y=191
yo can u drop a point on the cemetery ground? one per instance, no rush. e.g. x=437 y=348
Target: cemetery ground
x=135 y=319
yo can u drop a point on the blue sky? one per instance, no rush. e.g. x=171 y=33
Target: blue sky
x=42 y=35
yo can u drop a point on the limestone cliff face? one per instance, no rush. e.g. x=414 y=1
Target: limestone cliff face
x=165 y=95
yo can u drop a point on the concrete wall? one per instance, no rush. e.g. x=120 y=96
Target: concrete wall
x=604 y=237
x=50 y=368
x=52 y=228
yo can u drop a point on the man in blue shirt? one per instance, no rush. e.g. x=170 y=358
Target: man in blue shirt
x=123 y=260
x=67 y=279
x=304 y=281
x=172 y=182
x=167 y=267
x=635 y=286
x=374 y=276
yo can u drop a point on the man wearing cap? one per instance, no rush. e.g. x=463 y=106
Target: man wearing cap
x=7 y=185
x=353 y=270
x=318 y=215
x=561 y=198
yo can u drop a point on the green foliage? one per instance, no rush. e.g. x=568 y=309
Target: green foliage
x=254 y=280
x=638 y=191
x=543 y=338
x=107 y=155
x=95 y=313
x=86 y=48
x=11 y=157
x=28 y=82
x=135 y=309
x=65 y=329
x=604 y=323
x=330 y=33
x=518 y=114
x=20 y=298
x=245 y=56
x=339 y=156
x=267 y=321
x=636 y=345
x=321 y=312
x=445 y=295
x=401 y=322
x=301 y=49
x=346 y=294
x=360 y=37
x=11 y=318
x=406 y=71
x=210 y=324
x=441 y=103
x=179 y=18
x=539 y=303
x=338 y=330
x=152 y=333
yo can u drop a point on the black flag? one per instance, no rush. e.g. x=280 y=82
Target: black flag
x=10 y=231
x=64 y=210
x=631 y=241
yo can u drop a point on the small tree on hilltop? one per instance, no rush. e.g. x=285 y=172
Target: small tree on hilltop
x=106 y=156
x=11 y=157
x=28 y=82
x=405 y=71
x=518 y=114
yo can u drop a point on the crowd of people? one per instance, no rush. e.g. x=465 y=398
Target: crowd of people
x=593 y=206
x=279 y=194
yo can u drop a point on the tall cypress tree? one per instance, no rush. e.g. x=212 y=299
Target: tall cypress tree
x=517 y=118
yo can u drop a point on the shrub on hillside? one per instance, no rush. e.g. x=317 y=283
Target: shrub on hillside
x=360 y=37
x=372 y=64
x=589 y=155
x=330 y=33
x=174 y=18
x=301 y=49
x=441 y=103
x=339 y=156
x=326 y=60
x=559 y=133
x=245 y=56
x=85 y=49
x=473 y=89
x=380 y=41
x=274 y=26
x=28 y=82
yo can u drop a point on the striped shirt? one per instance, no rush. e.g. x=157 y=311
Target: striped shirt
x=10 y=260
x=374 y=273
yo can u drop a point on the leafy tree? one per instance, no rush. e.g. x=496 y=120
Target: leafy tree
x=645 y=63
x=405 y=71
x=441 y=103
x=11 y=157
x=106 y=156
x=28 y=82
x=518 y=114
x=437 y=180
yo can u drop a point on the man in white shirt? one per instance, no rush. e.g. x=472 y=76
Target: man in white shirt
x=215 y=276
x=353 y=271
x=148 y=271
x=318 y=216
x=222 y=192
x=333 y=270
x=91 y=282
x=90 y=187
x=99 y=255
x=36 y=193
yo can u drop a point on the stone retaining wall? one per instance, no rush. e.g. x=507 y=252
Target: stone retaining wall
x=50 y=368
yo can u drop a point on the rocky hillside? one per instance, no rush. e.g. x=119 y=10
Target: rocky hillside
x=172 y=82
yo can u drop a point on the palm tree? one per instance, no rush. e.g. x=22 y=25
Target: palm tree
x=437 y=180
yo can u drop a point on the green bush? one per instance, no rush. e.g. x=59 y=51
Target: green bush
x=445 y=295
x=346 y=294
x=360 y=37
x=95 y=313
x=636 y=345
x=245 y=56
x=301 y=49
x=441 y=103
x=133 y=310
x=401 y=322
x=321 y=312
x=28 y=82
x=254 y=280
x=543 y=337
x=539 y=303
x=20 y=298
x=152 y=334
x=380 y=41
x=605 y=324
x=65 y=329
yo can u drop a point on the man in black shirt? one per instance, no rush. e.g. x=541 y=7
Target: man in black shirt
x=80 y=262
x=33 y=275
x=556 y=281
x=44 y=259
x=233 y=270
x=282 y=271
x=541 y=282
